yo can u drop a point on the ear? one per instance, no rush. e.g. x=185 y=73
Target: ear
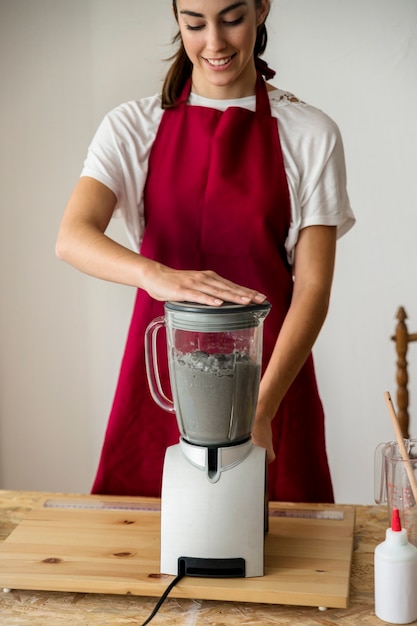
x=263 y=11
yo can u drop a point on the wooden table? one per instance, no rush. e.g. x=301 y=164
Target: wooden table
x=36 y=608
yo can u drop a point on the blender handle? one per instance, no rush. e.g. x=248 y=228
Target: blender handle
x=151 y=361
x=380 y=486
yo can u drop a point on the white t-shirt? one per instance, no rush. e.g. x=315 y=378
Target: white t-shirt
x=311 y=145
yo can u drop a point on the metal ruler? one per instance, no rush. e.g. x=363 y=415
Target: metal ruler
x=329 y=514
x=106 y=505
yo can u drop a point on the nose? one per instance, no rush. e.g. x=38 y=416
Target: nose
x=215 y=38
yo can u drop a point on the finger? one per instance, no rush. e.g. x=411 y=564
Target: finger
x=217 y=296
x=226 y=290
x=270 y=456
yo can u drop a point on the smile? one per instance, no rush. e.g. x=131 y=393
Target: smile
x=219 y=62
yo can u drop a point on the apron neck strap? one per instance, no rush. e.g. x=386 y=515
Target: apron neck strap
x=262 y=100
x=263 y=108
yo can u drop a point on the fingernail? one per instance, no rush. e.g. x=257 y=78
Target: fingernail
x=260 y=297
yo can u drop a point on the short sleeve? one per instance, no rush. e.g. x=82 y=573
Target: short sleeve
x=314 y=160
x=118 y=158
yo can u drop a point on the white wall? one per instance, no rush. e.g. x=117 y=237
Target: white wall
x=63 y=65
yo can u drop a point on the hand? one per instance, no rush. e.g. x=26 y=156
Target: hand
x=202 y=286
x=262 y=437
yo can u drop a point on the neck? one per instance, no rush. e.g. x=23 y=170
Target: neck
x=245 y=86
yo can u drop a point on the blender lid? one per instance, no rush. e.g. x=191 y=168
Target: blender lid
x=224 y=318
x=225 y=308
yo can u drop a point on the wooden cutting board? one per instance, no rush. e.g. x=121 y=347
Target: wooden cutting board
x=96 y=544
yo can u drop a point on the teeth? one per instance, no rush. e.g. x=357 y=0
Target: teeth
x=219 y=62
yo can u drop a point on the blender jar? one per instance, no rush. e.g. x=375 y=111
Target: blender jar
x=214 y=359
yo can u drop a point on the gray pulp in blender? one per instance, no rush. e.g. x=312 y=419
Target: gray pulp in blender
x=215 y=396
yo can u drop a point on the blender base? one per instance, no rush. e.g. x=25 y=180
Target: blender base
x=213 y=528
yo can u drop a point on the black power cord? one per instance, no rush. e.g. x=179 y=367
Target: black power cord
x=163 y=597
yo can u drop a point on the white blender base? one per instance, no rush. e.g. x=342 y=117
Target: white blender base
x=220 y=517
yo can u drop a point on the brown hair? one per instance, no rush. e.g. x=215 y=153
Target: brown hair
x=181 y=68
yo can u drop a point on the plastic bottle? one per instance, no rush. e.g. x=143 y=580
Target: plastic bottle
x=395 y=576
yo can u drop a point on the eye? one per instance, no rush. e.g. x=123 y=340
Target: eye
x=235 y=22
x=194 y=28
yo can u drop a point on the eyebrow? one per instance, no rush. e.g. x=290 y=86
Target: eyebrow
x=226 y=10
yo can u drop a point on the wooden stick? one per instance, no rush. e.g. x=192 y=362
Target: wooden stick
x=401 y=444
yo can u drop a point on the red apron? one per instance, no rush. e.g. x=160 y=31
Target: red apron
x=216 y=198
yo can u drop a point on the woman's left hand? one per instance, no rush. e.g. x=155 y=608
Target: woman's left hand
x=262 y=437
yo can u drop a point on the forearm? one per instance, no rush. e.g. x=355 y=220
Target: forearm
x=298 y=334
x=314 y=263
x=82 y=241
x=89 y=250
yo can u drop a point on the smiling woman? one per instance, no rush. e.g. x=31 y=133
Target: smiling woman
x=232 y=190
x=230 y=35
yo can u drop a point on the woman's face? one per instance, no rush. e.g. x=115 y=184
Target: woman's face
x=219 y=38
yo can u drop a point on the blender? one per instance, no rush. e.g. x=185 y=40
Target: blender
x=214 y=486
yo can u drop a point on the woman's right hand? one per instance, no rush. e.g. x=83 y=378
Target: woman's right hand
x=202 y=286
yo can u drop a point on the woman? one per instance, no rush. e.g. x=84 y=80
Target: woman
x=232 y=190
